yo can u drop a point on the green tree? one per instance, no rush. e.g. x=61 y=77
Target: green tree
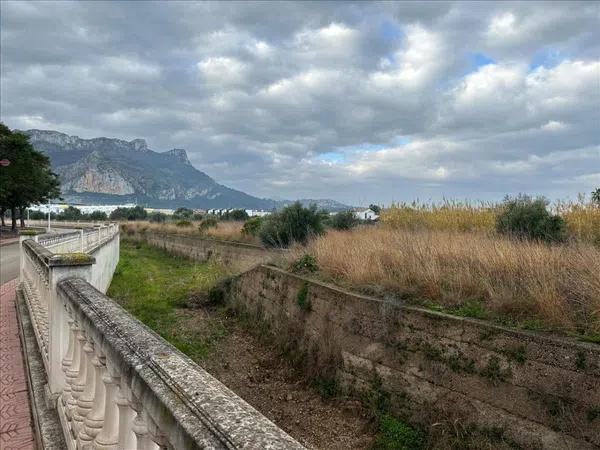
x=596 y=196
x=344 y=220
x=28 y=179
x=135 y=213
x=236 y=214
x=71 y=214
x=526 y=218
x=293 y=223
x=375 y=208
x=97 y=216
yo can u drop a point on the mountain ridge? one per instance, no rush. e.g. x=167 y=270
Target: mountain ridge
x=109 y=170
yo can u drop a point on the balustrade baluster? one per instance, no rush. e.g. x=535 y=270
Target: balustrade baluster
x=85 y=402
x=95 y=418
x=79 y=386
x=140 y=428
x=73 y=373
x=108 y=437
x=127 y=439
x=70 y=362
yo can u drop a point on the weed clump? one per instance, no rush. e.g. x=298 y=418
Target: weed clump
x=396 y=435
x=304 y=264
x=302 y=298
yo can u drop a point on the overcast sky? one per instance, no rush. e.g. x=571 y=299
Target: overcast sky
x=358 y=102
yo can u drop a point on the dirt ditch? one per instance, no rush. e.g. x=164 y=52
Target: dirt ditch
x=260 y=375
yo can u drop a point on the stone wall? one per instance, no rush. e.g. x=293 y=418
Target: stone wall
x=242 y=256
x=539 y=390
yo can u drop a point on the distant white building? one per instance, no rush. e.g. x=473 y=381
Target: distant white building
x=367 y=214
x=57 y=208
x=257 y=213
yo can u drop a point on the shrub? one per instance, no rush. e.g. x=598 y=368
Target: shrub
x=183 y=213
x=252 y=226
x=236 y=214
x=157 y=217
x=306 y=263
x=183 y=223
x=208 y=222
x=526 y=218
x=293 y=223
x=344 y=220
x=135 y=213
x=97 y=216
x=197 y=217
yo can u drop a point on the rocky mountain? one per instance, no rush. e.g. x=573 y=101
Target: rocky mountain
x=105 y=170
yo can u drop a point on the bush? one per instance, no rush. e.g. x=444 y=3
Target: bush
x=293 y=223
x=157 y=217
x=135 y=213
x=183 y=223
x=344 y=220
x=526 y=218
x=97 y=216
x=236 y=214
x=197 y=217
x=183 y=213
x=306 y=263
x=208 y=222
x=252 y=226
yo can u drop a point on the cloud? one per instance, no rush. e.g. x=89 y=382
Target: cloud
x=361 y=102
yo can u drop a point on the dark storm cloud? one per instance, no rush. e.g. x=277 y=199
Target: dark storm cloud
x=357 y=101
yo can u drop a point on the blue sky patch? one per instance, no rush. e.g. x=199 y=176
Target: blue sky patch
x=547 y=57
x=479 y=60
x=331 y=157
x=390 y=31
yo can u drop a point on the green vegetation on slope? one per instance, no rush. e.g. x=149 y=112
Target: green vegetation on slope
x=155 y=287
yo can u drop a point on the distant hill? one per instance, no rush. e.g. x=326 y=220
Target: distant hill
x=105 y=170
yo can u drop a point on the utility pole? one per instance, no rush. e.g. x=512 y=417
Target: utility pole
x=48 y=216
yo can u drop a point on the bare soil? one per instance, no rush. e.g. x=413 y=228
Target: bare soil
x=260 y=375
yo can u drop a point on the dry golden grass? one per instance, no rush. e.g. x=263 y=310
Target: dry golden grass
x=475 y=274
x=226 y=230
x=454 y=216
x=582 y=218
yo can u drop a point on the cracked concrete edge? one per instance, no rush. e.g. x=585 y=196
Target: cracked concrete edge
x=47 y=429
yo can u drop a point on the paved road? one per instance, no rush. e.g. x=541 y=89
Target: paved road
x=9 y=262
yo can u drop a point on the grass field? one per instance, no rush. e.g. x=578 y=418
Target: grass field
x=155 y=287
x=522 y=284
x=582 y=218
x=226 y=230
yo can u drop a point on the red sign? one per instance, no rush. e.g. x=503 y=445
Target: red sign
x=4 y=162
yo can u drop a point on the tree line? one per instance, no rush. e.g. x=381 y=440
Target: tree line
x=26 y=177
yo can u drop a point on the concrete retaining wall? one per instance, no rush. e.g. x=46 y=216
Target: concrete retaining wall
x=541 y=391
x=107 y=258
x=242 y=256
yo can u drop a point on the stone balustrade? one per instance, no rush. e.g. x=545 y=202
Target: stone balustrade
x=112 y=382
x=126 y=387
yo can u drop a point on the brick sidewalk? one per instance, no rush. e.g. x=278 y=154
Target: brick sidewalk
x=16 y=432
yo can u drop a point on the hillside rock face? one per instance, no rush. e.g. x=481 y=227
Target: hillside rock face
x=104 y=170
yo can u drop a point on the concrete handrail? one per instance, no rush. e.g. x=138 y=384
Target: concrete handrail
x=113 y=357
x=115 y=383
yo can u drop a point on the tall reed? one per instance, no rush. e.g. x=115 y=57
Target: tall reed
x=471 y=273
